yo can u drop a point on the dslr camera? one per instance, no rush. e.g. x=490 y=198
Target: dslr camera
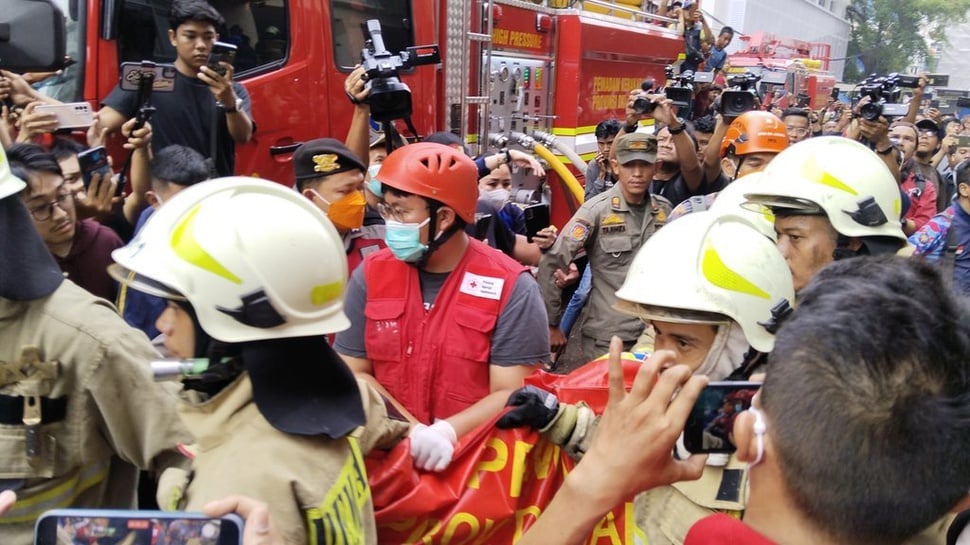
x=740 y=97
x=389 y=98
x=884 y=92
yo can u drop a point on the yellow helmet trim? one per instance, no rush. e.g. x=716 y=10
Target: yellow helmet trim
x=322 y=294
x=812 y=171
x=718 y=273
x=187 y=247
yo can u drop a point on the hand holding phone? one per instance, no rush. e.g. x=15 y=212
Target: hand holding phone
x=74 y=115
x=221 y=52
x=710 y=426
x=536 y=219
x=94 y=160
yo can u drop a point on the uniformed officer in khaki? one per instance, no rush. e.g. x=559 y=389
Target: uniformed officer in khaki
x=610 y=228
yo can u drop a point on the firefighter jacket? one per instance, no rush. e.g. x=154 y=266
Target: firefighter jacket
x=436 y=363
x=316 y=487
x=666 y=513
x=98 y=415
x=610 y=231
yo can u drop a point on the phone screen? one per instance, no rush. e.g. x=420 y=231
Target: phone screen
x=710 y=425
x=140 y=528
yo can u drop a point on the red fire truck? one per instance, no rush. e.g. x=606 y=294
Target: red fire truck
x=798 y=66
x=507 y=67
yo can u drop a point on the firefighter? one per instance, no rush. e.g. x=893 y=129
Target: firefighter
x=255 y=277
x=832 y=198
x=610 y=228
x=726 y=289
x=79 y=409
x=332 y=177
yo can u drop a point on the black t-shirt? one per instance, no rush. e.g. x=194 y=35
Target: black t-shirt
x=184 y=116
x=674 y=190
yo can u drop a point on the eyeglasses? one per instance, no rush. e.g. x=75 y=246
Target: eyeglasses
x=394 y=213
x=65 y=201
x=797 y=131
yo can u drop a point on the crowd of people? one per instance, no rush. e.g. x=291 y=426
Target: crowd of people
x=394 y=294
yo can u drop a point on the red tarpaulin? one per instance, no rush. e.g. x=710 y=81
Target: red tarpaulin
x=498 y=483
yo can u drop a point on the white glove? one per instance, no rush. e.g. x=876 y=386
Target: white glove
x=432 y=446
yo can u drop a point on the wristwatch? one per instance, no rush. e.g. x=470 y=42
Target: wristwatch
x=235 y=108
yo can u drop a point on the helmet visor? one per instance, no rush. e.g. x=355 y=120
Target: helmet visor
x=142 y=283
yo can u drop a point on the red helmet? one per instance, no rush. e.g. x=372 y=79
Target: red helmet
x=434 y=171
x=755 y=132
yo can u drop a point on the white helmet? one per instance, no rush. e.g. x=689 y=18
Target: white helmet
x=730 y=199
x=836 y=177
x=9 y=184
x=709 y=268
x=254 y=259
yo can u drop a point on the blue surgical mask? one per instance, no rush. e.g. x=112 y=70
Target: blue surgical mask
x=373 y=184
x=404 y=239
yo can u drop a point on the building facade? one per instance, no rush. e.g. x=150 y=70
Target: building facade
x=809 y=20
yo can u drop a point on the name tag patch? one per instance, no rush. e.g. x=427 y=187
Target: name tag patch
x=486 y=287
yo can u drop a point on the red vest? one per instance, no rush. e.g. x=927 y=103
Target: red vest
x=436 y=363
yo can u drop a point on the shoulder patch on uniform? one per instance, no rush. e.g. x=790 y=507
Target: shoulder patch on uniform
x=660 y=214
x=615 y=203
x=579 y=231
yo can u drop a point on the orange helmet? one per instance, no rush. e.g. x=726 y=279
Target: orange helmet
x=434 y=171
x=755 y=132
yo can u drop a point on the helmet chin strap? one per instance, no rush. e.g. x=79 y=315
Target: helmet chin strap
x=438 y=240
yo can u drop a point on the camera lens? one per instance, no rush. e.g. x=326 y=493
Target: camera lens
x=871 y=111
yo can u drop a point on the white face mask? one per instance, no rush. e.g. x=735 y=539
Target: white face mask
x=496 y=197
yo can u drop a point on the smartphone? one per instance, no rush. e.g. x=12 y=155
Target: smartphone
x=91 y=161
x=73 y=115
x=536 y=219
x=935 y=103
x=221 y=52
x=132 y=72
x=482 y=223
x=117 y=527
x=710 y=425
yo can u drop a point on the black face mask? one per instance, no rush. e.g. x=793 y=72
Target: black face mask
x=27 y=269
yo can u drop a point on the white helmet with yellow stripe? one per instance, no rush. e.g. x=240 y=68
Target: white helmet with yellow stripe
x=711 y=268
x=9 y=184
x=731 y=198
x=838 y=178
x=254 y=259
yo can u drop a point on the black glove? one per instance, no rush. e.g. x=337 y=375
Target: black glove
x=532 y=407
